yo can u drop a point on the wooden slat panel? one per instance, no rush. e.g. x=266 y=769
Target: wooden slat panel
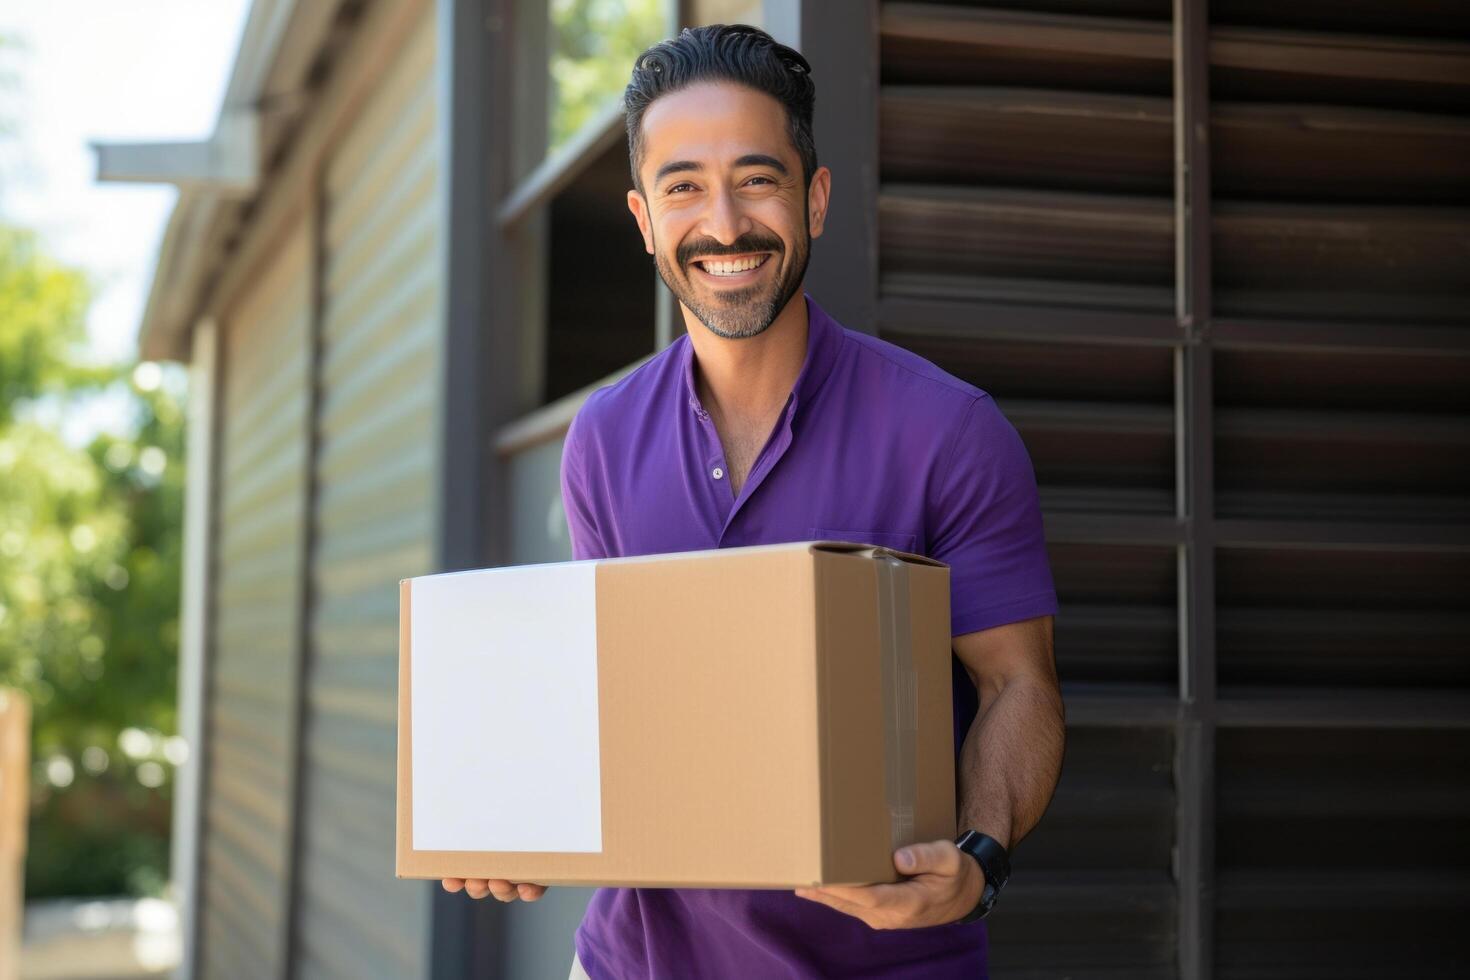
x=986 y=46
x=1123 y=644
x=1325 y=152
x=1113 y=807
x=1035 y=138
x=1081 y=444
x=1294 y=803
x=1340 y=261
x=1114 y=251
x=1113 y=575
x=1342 y=578
x=1321 y=435
x=1343 y=647
x=1360 y=70
x=1328 y=381
x=1340 y=644
x=1069 y=249
x=1027 y=246
x=1016 y=144
x=1344 y=708
x=1344 y=452
x=1421 y=18
x=1289 y=924
x=1118 y=925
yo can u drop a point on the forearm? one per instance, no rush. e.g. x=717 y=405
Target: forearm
x=1011 y=760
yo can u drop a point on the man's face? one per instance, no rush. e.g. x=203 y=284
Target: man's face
x=724 y=210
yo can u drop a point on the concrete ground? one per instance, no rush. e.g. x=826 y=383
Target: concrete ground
x=99 y=939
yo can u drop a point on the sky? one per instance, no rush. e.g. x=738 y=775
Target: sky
x=109 y=71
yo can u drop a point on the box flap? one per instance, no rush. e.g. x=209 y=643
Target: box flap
x=873 y=551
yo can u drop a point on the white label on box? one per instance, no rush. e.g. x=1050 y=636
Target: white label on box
x=506 y=753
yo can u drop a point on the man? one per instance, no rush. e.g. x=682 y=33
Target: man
x=768 y=422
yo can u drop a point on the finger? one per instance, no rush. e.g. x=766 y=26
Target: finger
x=932 y=857
x=875 y=896
x=502 y=889
x=453 y=884
x=476 y=888
x=823 y=897
x=530 y=892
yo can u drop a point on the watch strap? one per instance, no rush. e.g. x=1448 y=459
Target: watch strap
x=991 y=855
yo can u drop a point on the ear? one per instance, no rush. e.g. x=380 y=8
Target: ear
x=817 y=198
x=639 y=206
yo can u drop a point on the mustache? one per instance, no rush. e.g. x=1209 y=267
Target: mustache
x=709 y=247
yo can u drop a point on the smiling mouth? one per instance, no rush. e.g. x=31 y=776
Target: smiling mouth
x=736 y=268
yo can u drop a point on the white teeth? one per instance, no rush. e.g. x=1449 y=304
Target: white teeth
x=732 y=268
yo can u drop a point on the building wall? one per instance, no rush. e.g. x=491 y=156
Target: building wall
x=1263 y=494
x=374 y=512
x=325 y=494
x=1246 y=402
x=252 y=677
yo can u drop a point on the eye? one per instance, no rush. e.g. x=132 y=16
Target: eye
x=677 y=186
x=766 y=179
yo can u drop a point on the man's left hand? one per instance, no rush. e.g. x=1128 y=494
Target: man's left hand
x=944 y=885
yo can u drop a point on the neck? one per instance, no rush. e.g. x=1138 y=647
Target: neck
x=750 y=377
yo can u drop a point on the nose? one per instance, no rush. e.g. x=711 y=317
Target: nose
x=724 y=220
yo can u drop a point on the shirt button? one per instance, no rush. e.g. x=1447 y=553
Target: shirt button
x=717 y=473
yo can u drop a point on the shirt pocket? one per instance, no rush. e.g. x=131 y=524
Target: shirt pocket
x=897 y=540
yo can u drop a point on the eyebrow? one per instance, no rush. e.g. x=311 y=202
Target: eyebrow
x=749 y=160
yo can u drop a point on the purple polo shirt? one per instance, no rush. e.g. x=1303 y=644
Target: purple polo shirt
x=875 y=445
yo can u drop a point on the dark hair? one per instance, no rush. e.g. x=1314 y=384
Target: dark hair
x=735 y=53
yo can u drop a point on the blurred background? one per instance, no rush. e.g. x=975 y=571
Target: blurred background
x=91 y=481
x=297 y=298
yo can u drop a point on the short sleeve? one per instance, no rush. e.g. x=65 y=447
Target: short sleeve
x=577 y=499
x=987 y=526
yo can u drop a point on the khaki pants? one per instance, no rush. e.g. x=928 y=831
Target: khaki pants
x=577 y=972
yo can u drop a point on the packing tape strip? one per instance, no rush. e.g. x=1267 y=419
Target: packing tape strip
x=901 y=697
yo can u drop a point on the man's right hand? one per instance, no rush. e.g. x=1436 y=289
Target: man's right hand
x=506 y=891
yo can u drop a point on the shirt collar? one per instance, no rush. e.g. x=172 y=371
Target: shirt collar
x=823 y=339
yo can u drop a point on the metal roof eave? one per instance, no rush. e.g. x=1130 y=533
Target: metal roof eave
x=277 y=48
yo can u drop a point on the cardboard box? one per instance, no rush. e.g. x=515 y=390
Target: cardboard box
x=761 y=717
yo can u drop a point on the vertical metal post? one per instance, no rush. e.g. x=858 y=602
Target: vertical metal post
x=473 y=94
x=195 y=591
x=840 y=41
x=1194 y=467
x=668 y=318
x=522 y=143
x=463 y=94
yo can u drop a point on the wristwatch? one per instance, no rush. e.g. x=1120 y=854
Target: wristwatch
x=993 y=860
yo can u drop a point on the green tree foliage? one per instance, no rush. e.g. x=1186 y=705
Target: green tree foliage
x=42 y=318
x=593 y=45
x=89 y=576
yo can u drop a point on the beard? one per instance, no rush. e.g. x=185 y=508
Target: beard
x=737 y=313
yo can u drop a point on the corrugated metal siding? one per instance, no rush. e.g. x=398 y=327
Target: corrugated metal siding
x=375 y=514
x=254 y=627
